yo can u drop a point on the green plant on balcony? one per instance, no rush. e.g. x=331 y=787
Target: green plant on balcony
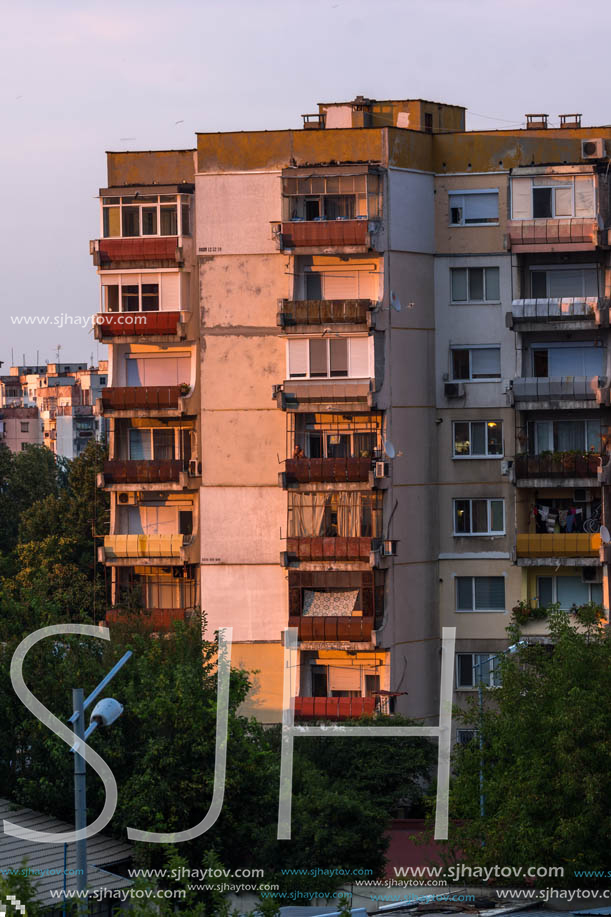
x=525 y=611
x=184 y=388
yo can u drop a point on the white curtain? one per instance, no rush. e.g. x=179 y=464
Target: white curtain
x=349 y=514
x=307 y=515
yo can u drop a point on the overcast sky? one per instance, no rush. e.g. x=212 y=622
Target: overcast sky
x=81 y=78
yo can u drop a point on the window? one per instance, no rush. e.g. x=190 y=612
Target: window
x=464 y=736
x=349 y=514
x=473 y=208
x=475 y=284
x=555 y=283
x=132 y=297
x=25 y=426
x=428 y=122
x=159 y=443
x=479 y=517
x=324 y=358
x=564 y=436
x=473 y=363
x=567 y=591
x=146 y=215
x=567 y=359
x=475 y=668
x=478 y=438
x=480 y=593
x=24 y=446
x=546 y=197
x=331 y=197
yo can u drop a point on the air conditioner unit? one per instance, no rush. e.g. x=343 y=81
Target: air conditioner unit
x=388 y=548
x=593 y=149
x=127 y=498
x=581 y=495
x=591 y=574
x=454 y=389
x=194 y=467
x=506 y=466
x=380 y=470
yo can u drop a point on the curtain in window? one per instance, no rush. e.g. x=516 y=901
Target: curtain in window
x=570 y=435
x=307 y=515
x=349 y=514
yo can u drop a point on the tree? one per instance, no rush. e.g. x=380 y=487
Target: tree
x=546 y=734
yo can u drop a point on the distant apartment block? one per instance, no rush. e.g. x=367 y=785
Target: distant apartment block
x=358 y=386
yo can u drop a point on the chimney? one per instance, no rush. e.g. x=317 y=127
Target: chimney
x=570 y=120
x=536 y=122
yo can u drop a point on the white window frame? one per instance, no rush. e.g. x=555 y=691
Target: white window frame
x=475 y=657
x=329 y=376
x=471 y=348
x=138 y=280
x=478 y=455
x=465 y=193
x=552 y=187
x=178 y=431
x=488 y=531
x=180 y=200
x=474 y=610
x=555 y=579
x=559 y=184
x=468 y=269
x=546 y=268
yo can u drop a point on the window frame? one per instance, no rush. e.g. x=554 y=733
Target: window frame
x=553 y=188
x=470 y=301
x=474 y=610
x=494 y=668
x=555 y=579
x=558 y=268
x=140 y=282
x=108 y=202
x=328 y=376
x=488 y=533
x=478 y=455
x=470 y=348
x=472 y=192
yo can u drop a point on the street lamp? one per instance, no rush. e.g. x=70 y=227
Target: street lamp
x=480 y=691
x=105 y=712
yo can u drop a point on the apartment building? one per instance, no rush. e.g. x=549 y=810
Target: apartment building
x=350 y=366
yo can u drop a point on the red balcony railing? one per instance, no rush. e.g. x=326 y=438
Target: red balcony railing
x=124 y=324
x=142 y=472
x=336 y=628
x=145 y=397
x=159 y=619
x=324 y=311
x=339 y=548
x=149 y=248
x=315 y=233
x=334 y=470
x=557 y=465
x=333 y=708
x=553 y=235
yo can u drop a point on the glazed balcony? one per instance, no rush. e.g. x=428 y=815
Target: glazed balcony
x=341 y=235
x=571 y=313
x=134 y=400
x=119 y=474
x=167 y=550
x=337 y=549
x=294 y=315
x=140 y=252
x=334 y=708
x=576 y=549
x=549 y=469
x=160 y=620
x=550 y=392
x=329 y=470
x=553 y=235
x=156 y=327
x=336 y=628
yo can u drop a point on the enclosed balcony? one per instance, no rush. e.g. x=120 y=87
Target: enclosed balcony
x=575 y=549
x=157 y=326
x=295 y=315
x=333 y=526
x=148 y=549
x=334 y=708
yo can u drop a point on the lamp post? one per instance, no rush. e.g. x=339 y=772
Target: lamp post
x=480 y=699
x=104 y=713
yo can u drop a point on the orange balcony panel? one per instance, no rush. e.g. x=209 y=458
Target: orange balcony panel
x=149 y=248
x=335 y=470
x=333 y=708
x=341 y=548
x=141 y=397
x=158 y=619
x=573 y=545
x=137 y=323
x=315 y=233
x=553 y=235
x=154 y=471
x=336 y=628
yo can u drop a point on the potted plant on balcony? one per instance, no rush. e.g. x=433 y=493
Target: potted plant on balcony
x=184 y=388
x=525 y=611
x=594 y=463
x=557 y=463
x=545 y=463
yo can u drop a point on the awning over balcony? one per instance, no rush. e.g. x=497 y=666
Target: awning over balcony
x=573 y=545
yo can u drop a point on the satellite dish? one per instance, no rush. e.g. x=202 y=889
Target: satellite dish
x=395 y=302
x=389 y=449
x=605 y=536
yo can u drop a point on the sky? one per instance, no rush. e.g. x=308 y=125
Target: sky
x=79 y=78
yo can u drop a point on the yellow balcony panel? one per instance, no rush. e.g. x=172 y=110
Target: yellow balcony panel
x=117 y=546
x=574 y=545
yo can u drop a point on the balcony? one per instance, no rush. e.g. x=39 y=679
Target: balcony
x=557 y=235
x=316 y=236
x=160 y=620
x=567 y=550
x=322 y=395
x=325 y=312
x=146 y=474
x=549 y=469
x=141 y=251
x=165 y=326
x=336 y=628
x=337 y=549
x=550 y=392
x=333 y=708
x=124 y=550
x=330 y=470
x=146 y=399
x=571 y=313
